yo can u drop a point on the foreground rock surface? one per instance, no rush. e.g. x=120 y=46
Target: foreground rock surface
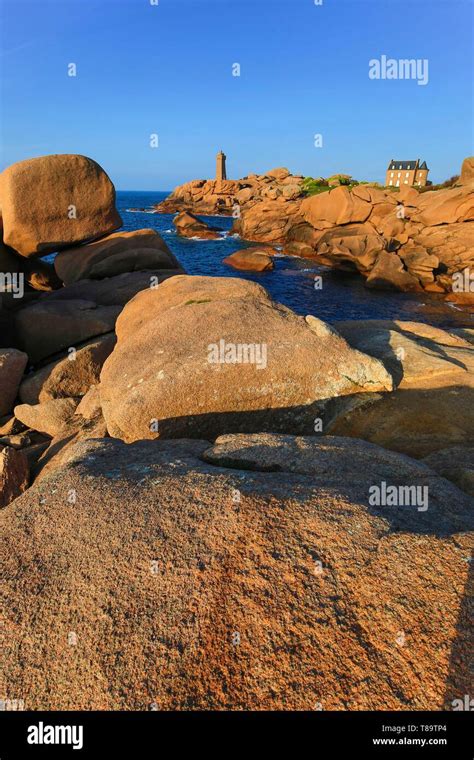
x=165 y=557
x=54 y=201
x=199 y=356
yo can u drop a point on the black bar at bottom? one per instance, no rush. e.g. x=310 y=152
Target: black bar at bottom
x=368 y=734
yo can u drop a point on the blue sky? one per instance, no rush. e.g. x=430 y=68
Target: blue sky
x=166 y=69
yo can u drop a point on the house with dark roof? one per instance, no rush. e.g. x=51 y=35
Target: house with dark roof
x=411 y=173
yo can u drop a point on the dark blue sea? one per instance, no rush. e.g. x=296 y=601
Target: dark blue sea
x=292 y=280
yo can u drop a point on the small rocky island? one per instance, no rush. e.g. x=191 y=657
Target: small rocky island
x=209 y=501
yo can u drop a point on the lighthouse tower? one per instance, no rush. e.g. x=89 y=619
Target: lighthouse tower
x=220 y=166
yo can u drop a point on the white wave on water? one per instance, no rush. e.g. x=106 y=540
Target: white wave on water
x=140 y=211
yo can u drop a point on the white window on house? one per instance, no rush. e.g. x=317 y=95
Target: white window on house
x=399 y=174
x=408 y=167
x=398 y=183
x=400 y=166
x=407 y=174
x=406 y=182
x=391 y=174
x=390 y=183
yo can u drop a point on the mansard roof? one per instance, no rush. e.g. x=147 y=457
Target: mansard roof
x=408 y=165
x=394 y=164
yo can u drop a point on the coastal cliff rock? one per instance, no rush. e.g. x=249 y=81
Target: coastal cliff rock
x=54 y=201
x=247 y=588
x=200 y=356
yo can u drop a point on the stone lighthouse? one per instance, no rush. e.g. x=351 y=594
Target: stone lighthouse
x=220 y=166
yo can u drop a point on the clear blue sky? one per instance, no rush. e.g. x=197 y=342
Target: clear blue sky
x=167 y=69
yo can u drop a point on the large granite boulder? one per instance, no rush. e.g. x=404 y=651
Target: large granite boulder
x=203 y=355
x=250 y=260
x=54 y=201
x=12 y=366
x=247 y=589
x=190 y=226
x=113 y=255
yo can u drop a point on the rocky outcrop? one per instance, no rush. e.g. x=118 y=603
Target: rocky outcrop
x=401 y=240
x=14 y=474
x=70 y=199
x=113 y=255
x=223 y=197
x=265 y=580
x=12 y=366
x=188 y=225
x=250 y=260
x=200 y=356
x=211 y=197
